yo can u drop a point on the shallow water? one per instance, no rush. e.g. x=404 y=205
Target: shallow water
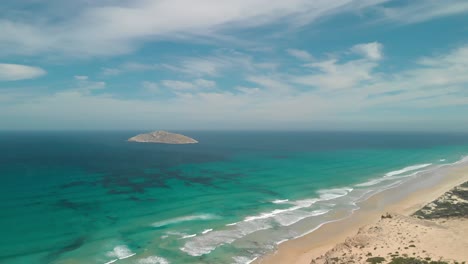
x=92 y=197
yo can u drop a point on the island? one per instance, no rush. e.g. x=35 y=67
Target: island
x=162 y=137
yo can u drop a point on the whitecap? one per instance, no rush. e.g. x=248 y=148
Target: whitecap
x=120 y=252
x=406 y=169
x=281 y=241
x=371 y=182
x=204 y=244
x=153 y=260
x=189 y=236
x=280 y=201
x=243 y=260
x=293 y=217
x=330 y=194
x=206 y=231
x=182 y=219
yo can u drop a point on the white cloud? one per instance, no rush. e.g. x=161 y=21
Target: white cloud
x=183 y=85
x=110 y=71
x=248 y=90
x=116 y=27
x=15 y=72
x=420 y=11
x=334 y=75
x=346 y=94
x=85 y=85
x=81 y=77
x=273 y=83
x=300 y=54
x=372 y=51
x=151 y=86
x=205 y=83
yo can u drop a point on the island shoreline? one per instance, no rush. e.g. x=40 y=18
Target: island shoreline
x=404 y=199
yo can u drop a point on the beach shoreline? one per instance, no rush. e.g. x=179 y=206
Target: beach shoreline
x=404 y=199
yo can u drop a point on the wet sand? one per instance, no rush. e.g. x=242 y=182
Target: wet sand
x=401 y=201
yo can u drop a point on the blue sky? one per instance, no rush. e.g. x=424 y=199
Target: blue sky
x=224 y=64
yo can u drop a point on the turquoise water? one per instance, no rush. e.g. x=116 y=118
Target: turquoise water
x=92 y=197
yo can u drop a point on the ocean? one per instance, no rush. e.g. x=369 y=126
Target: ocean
x=93 y=197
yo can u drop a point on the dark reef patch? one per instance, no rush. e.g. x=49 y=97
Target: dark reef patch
x=73 y=245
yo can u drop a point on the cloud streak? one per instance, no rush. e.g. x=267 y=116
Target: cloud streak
x=118 y=27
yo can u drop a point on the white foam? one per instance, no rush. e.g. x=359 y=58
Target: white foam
x=371 y=182
x=330 y=194
x=184 y=219
x=281 y=241
x=280 y=201
x=442 y=160
x=175 y=233
x=189 y=236
x=462 y=160
x=291 y=218
x=204 y=244
x=120 y=252
x=207 y=242
x=406 y=169
x=243 y=260
x=270 y=214
x=297 y=205
x=153 y=260
x=206 y=231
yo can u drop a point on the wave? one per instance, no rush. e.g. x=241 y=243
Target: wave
x=153 y=260
x=280 y=201
x=407 y=169
x=299 y=204
x=206 y=231
x=330 y=194
x=243 y=260
x=395 y=174
x=324 y=195
x=207 y=242
x=204 y=244
x=182 y=219
x=189 y=236
x=298 y=210
x=120 y=252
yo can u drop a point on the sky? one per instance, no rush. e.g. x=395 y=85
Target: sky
x=234 y=65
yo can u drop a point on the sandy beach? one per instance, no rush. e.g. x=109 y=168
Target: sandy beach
x=384 y=227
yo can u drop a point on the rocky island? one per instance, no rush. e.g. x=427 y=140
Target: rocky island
x=163 y=137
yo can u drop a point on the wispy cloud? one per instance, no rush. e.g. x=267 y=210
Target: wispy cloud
x=151 y=87
x=184 y=85
x=85 y=85
x=117 y=27
x=372 y=51
x=300 y=54
x=341 y=90
x=423 y=10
